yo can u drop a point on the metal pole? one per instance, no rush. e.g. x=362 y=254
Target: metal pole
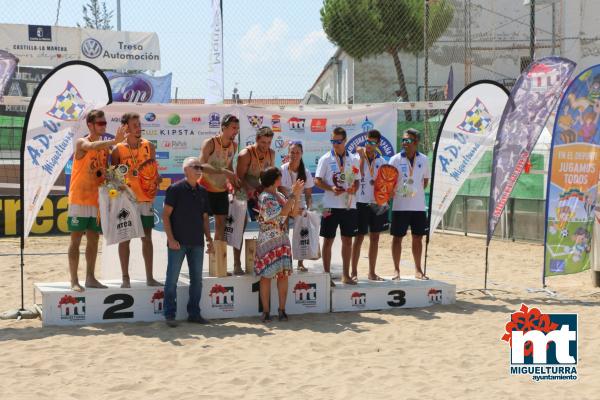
x=118 y=15
x=426 y=48
x=531 y=30
x=553 y=28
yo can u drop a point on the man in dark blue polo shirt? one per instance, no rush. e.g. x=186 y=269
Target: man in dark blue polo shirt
x=185 y=218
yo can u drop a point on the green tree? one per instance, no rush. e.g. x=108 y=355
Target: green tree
x=365 y=28
x=96 y=16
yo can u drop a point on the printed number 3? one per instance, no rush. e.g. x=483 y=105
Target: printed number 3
x=398 y=299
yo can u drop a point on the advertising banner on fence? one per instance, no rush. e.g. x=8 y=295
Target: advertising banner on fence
x=467 y=132
x=55 y=120
x=140 y=88
x=573 y=177
x=313 y=127
x=8 y=62
x=530 y=103
x=50 y=46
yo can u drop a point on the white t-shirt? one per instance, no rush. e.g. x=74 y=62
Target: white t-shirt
x=366 y=191
x=328 y=170
x=288 y=177
x=420 y=171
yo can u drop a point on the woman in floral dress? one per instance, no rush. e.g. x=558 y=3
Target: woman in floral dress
x=273 y=259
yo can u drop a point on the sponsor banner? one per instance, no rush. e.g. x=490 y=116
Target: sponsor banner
x=390 y=294
x=23 y=84
x=313 y=126
x=64 y=307
x=8 y=63
x=55 y=120
x=215 y=91
x=572 y=194
x=140 y=88
x=467 y=132
x=530 y=103
x=176 y=130
x=120 y=50
x=50 y=220
x=50 y=46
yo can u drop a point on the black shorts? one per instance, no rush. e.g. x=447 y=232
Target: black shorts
x=347 y=219
x=218 y=203
x=369 y=221
x=401 y=220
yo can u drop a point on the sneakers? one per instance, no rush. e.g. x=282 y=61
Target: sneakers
x=197 y=320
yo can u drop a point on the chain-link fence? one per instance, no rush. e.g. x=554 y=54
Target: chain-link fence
x=325 y=51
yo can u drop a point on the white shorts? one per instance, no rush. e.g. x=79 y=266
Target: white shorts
x=145 y=208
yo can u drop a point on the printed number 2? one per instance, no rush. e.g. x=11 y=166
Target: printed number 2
x=115 y=312
x=398 y=299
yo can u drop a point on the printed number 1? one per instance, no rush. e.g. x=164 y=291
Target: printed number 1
x=256 y=288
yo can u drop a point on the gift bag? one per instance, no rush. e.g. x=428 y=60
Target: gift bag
x=234 y=224
x=305 y=238
x=119 y=217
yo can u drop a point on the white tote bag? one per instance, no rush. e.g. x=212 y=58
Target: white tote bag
x=305 y=236
x=234 y=224
x=120 y=217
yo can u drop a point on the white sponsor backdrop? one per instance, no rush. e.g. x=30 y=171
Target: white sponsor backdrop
x=56 y=121
x=313 y=125
x=49 y=46
x=407 y=293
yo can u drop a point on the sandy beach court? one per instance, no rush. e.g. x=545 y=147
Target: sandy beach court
x=438 y=352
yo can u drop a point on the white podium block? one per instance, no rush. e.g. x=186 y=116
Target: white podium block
x=308 y=292
x=238 y=296
x=62 y=306
x=406 y=293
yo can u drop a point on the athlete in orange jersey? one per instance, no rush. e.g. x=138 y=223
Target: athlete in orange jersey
x=216 y=157
x=89 y=164
x=137 y=152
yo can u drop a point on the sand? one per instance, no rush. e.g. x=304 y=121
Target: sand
x=441 y=352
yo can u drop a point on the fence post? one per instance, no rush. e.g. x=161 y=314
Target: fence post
x=465 y=217
x=511 y=225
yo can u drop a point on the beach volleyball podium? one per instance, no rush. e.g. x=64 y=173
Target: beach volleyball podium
x=234 y=297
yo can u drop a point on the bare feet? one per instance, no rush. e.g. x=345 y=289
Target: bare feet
x=126 y=283
x=94 y=283
x=354 y=277
x=153 y=282
x=420 y=275
x=76 y=287
x=375 y=278
x=396 y=276
x=301 y=268
x=346 y=280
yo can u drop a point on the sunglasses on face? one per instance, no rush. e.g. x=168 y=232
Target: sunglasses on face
x=407 y=141
x=100 y=123
x=336 y=141
x=373 y=142
x=196 y=167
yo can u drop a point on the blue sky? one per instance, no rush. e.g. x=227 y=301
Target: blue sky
x=274 y=48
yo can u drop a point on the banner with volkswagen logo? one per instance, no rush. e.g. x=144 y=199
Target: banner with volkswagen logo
x=50 y=46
